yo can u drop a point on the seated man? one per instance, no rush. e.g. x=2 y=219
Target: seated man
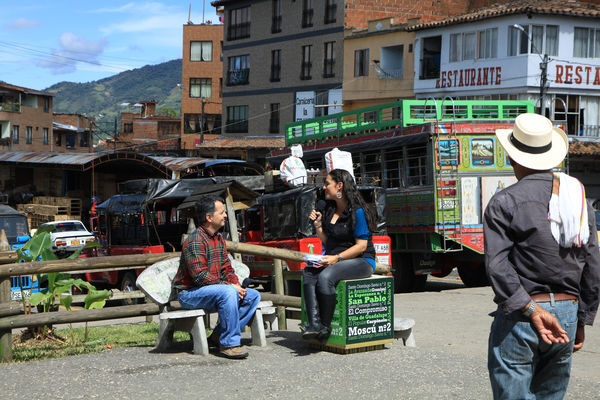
x=206 y=279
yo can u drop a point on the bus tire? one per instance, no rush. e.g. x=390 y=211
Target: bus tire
x=127 y=284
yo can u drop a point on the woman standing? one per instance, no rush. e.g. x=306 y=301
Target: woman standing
x=345 y=227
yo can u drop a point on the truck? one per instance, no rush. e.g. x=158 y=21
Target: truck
x=15 y=226
x=439 y=162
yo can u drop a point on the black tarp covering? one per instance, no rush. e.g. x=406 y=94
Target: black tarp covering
x=286 y=213
x=127 y=203
x=239 y=193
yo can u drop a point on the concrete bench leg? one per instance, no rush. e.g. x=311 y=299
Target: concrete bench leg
x=165 y=334
x=258 y=330
x=272 y=320
x=403 y=329
x=198 y=333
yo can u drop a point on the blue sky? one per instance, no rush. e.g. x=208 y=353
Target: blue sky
x=43 y=43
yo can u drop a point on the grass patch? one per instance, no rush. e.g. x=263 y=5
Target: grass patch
x=99 y=338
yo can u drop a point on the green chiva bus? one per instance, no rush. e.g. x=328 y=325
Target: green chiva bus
x=439 y=162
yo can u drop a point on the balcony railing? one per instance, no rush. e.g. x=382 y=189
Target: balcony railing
x=388 y=73
x=590 y=131
x=10 y=107
x=276 y=24
x=305 y=73
x=238 y=77
x=307 y=18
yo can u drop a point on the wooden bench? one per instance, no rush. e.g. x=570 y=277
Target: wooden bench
x=156 y=282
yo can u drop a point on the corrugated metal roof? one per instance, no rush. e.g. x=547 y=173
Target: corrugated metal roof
x=24 y=89
x=544 y=7
x=83 y=160
x=262 y=142
x=58 y=125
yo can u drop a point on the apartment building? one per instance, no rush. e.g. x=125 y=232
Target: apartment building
x=378 y=66
x=201 y=85
x=146 y=131
x=283 y=59
x=72 y=133
x=25 y=119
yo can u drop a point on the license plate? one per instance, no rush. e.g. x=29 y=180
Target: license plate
x=74 y=242
x=381 y=248
x=16 y=294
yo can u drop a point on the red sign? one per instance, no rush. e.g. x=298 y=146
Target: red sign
x=577 y=74
x=470 y=77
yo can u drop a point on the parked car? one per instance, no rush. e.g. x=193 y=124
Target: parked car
x=68 y=236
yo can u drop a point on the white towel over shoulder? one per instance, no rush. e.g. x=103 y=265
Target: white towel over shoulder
x=568 y=213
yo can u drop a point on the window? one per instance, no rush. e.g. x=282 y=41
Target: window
x=84 y=139
x=46 y=104
x=71 y=139
x=392 y=62
x=201 y=87
x=276 y=18
x=29 y=135
x=587 y=43
x=306 y=62
x=474 y=45
x=57 y=139
x=543 y=40
x=238 y=71
x=200 y=51
x=329 y=61
x=45 y=136
x=361 y=62
x=430 y=57
x=274 y=119
x=488 y=43
x=237 y=119
x=127 y=127
x=275 y=65
x=307 y=13
x=330 y=10
x=15 y=135
x=239 y=23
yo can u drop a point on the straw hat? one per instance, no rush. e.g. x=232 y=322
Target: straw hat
x=534 y=142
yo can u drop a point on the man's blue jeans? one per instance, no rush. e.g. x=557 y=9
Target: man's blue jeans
x=234 y=314
x=521 y=365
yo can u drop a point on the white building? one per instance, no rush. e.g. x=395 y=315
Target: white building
x=498 y=53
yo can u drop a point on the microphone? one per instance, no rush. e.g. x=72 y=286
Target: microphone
x=320 y=206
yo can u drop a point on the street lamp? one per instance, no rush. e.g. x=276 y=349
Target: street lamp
x=543 y=67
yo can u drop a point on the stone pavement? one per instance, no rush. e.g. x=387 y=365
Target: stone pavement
x=449 y=362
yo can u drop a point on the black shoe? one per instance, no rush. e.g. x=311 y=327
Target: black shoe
x=327 y=304
x=311 y=331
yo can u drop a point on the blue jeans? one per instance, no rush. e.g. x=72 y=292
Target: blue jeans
x=521 y=365
x=234 y=314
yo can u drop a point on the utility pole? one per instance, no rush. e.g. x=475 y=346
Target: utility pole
x=202 y=121
x=115 y=136
x=543 y=81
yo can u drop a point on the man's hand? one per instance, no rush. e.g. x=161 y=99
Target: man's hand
x=548 y=326
x=241 y=290
x=579 y=337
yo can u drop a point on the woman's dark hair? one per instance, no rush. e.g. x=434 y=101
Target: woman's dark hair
x=205 y=205
x=355 y=199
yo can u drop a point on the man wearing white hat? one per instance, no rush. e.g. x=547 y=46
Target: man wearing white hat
x=543 y=264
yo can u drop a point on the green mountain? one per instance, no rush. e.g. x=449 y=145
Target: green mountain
x=105 y=96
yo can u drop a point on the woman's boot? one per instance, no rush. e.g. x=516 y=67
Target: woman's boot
x=327 y=304
x=311 y=331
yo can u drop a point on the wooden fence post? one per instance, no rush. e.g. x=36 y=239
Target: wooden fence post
x=278 y=278
x=5 y=335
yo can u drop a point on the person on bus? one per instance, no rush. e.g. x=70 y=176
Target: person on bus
x=345 y=227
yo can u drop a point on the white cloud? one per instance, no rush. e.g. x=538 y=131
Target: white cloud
x=152 y=23
x=73 y=50
x=121 y=9
x=23 y=23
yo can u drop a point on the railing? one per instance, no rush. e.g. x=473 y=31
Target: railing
x=10 y=107
x=590 y=131
x=401 y=114
x=10 y=317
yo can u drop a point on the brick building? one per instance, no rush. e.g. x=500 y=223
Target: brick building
x=25 y=119
x=283 y=59
x=201 y=83
x=72 y=133
x=146 y=131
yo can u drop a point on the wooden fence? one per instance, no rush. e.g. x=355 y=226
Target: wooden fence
x=11 y=316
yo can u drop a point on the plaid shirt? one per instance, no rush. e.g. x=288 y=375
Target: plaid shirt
x=204 y=261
